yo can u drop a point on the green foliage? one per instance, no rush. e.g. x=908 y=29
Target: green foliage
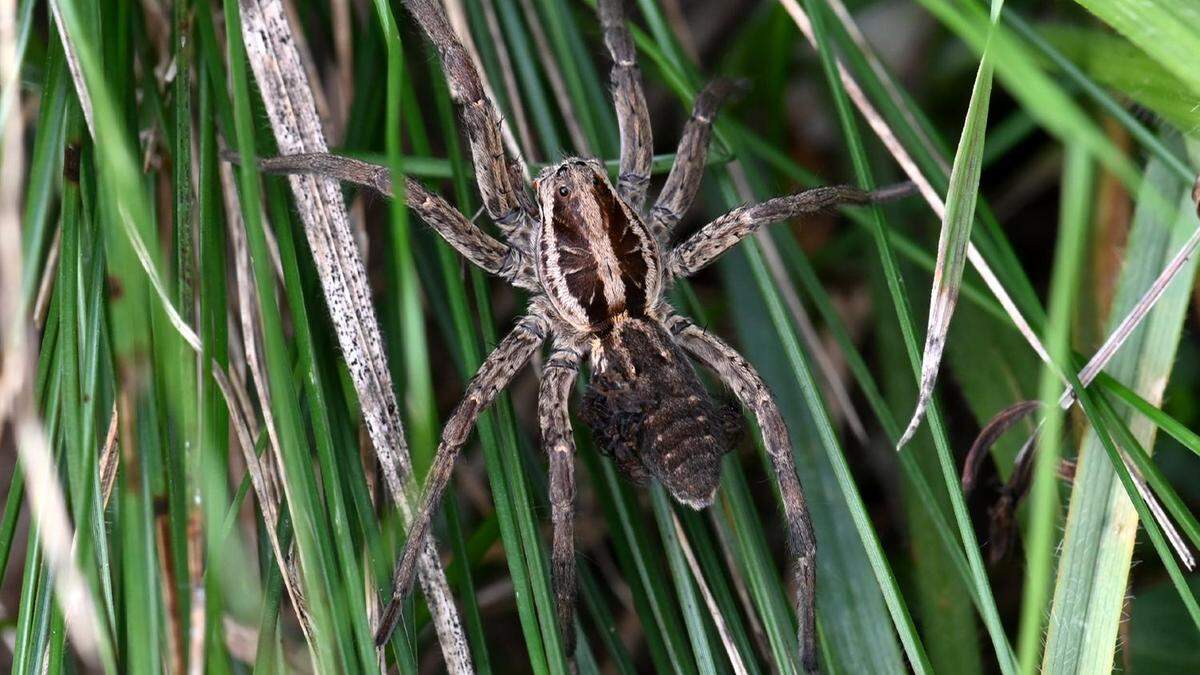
x=156 y=258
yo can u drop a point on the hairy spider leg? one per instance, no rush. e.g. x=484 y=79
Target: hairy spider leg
x=492 y=377
x=683 y=181
x=558 y=442
x=633 y=117
x=748 y=386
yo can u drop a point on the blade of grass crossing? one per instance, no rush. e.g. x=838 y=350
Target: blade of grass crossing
x=1101 y=521
x=904 y=314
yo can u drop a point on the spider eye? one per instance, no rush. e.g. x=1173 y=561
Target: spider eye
x=595 y=180
x=563 y=191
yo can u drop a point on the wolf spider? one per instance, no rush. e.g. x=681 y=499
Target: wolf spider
x=597 y=267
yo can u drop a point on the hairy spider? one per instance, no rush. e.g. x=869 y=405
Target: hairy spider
x=597 y=268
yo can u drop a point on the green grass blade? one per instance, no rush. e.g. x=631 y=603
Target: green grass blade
x=904 y=315
x=955 y=237
x=1173 y=427
x=1044 y=499
x=1169 y=32
x=1096 y=552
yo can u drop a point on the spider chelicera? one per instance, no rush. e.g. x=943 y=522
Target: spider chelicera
x=597 y=267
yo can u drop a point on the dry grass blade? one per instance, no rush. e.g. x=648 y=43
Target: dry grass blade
x=954 y=238
x=1160 y=515
x=864 y=48
x=735 y=657
x=247 y=313
x=739 y=585
x=1114 y=341
x=297 y=129
x=85 y=99
x=110 y=459
x=50 y=270
x=268 y=500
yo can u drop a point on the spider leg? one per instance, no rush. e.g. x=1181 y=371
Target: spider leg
x=558 y=442
x=493 y=376
x=717 y=237
x=503 y=260
x=479 y=116
x=633 y=117
x=748 y=386
x=684 y=180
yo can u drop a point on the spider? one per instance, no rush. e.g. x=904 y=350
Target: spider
x=597 y=267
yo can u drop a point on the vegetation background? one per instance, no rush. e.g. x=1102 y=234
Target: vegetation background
x=177 y=413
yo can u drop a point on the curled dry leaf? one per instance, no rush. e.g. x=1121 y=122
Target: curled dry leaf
x=995 y=428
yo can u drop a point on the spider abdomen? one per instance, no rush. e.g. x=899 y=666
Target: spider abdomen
x=651 y=414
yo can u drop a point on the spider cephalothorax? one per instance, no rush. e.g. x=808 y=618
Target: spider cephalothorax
x=601 y=269
x=596 y=258
x=596 y=266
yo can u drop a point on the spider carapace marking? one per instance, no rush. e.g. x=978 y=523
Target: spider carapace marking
x=645 y=404
x=595 y=255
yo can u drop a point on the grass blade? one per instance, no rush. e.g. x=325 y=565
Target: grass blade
x=1044 y=499
x=987 y=604
x=954 y=239
x=1166 y=31
x=1096 y=550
